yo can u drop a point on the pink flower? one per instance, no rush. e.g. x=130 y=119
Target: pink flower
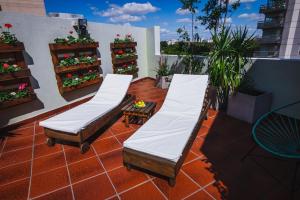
x=5 y=65
x=22 y=86
x=90 y=71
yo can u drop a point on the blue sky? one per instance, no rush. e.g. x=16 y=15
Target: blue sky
x=164 y=13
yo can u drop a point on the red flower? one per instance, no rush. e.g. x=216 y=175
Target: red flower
x=69 y=75
x=71 y=32
x=22 y=86
x=66 y=56
x=8 y=26
x=5 y=65
x=120 y=52
x=90 y=71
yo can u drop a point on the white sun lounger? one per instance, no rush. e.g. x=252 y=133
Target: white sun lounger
x=162 y=143
x=79 y=123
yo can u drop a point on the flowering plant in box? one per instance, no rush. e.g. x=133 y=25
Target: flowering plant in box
x=74 y=79
x=9 y=95
x=68 y=60
x=6 y=36
x=126 y=68
x=7 y=68
x=128 y=38
x=70 y=39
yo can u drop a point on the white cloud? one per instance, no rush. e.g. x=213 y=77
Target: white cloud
x=184 y=20
x=250 y=16
x=126 y=18
x=129 y=12
x=164 y=31
x=129 y=8
x=228 y=20
x=181 y=11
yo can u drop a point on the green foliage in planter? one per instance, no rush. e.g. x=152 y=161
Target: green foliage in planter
x=68 y=61
x=7 y=68
x=7 y=37
x=128 y=38
x=74 y=80
x=124 y=70
x=163 y=69
x=227 y=60
x=72 y=40
x=13 y=94
x=124 y=55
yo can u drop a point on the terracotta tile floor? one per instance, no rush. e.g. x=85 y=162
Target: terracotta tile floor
x=29 y=169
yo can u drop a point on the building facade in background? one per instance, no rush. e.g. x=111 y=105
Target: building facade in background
x=280 y=29
x=33 y=7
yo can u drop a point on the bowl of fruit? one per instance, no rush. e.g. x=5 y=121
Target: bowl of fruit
x=139 y=104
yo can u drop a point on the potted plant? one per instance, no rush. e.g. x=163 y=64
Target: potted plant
x=227 y=62
x=163 y=76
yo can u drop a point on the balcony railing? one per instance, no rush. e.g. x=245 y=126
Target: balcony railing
x=269 y=40
x=273 y=7
x=270 y=24
x=266 y=54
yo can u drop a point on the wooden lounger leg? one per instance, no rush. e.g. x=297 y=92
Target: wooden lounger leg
x=172 y=182
x=50 y=142
x=128 y=167
x=84 y=147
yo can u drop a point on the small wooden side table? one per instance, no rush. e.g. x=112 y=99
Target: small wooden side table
x=134 y=115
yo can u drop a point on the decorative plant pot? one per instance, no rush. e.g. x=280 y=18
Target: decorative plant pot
x=124 y=60
x=123 y=45
x=64 y=69
x=13 y=75
x=57 y=46
x=82 y=85
x=164 y=82
x=11 y=103
x=5 y=48
x=249 y=107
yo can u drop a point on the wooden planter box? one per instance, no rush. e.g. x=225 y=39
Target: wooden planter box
x=13 y=75
x=85 y=84
x=123 y=45
x=7 y=104
x=71 y=68
x=55 y=46
x=124 y=60
x=248 y=107
x=7 y=48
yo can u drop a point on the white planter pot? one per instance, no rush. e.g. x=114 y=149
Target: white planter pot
x=248 y=107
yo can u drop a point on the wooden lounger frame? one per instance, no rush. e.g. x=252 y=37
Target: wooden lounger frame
x=160 y=166
x=89 y=130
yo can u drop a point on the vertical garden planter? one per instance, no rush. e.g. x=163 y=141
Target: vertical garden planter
x=12 y=54
x=249 y=107
x=124 y=64
x=77 y=50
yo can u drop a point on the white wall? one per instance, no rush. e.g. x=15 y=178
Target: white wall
x=36 y=33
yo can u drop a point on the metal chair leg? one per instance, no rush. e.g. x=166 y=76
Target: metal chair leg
x=294 y=179
x=248 y=152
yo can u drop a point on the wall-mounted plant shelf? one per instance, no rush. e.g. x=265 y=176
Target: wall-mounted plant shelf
x=124 y=58
x=85 y=84
x=15 y=86
x=73 y=63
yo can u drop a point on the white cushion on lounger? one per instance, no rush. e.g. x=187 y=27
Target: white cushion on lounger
x=110 y=94
x=167 y=132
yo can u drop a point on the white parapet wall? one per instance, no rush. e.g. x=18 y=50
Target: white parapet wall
x=37 y=32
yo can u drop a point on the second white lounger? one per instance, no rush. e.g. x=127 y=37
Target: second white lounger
x=163 y=142
x=81 y=122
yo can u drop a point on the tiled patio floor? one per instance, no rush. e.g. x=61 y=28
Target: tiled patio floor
x=29 y=169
